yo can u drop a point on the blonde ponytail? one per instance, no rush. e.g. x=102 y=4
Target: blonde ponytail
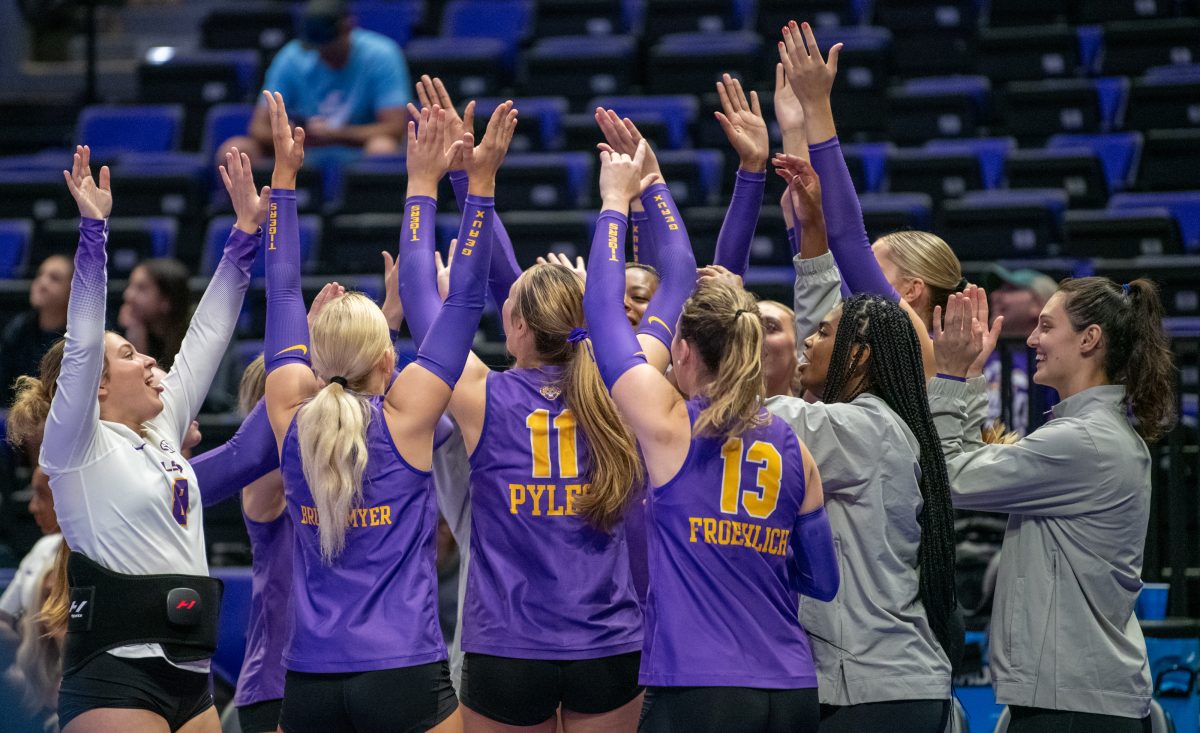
x=927 y=257
x=53 y=614
x=723 y=324
x=349 y=341
x=550 y=301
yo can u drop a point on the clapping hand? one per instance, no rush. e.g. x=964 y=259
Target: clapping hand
x=621 y=177
x=94 y=200
x=431 y=91
x=483 y=160
x=428 y=158
x=958 y=339
x=289 y=143
x=622 y=136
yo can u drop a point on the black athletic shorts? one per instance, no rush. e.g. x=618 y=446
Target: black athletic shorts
x=388 y=700
x=260 y=717
x=1038 y=720
x=145 y=684
x=893 y=716
x=528 y=691
x=730 y=710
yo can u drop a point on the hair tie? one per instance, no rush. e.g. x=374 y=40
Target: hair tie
x=577 y=335
x=1125 y=288
x=338 y=380
x=737 y=313
x=962 y=285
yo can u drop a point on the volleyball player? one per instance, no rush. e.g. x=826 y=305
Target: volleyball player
x=127 y=501
x=355 y=464
x=1067 y=652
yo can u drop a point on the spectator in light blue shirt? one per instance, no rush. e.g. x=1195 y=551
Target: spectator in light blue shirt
x=346 y=86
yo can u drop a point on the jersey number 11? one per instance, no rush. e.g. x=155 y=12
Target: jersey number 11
x=539 y=424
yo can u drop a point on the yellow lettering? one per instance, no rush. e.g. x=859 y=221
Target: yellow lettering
x=723 y=532
x=374 y=516
x=574 y=490
x=735 y=535
x=385 y=514
x=710 y=530
x=554 y=510
x=695 y=523
x=787 y=536
x=516 y=496
x=536 y=491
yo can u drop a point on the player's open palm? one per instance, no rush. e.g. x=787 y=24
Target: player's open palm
x=94 y=198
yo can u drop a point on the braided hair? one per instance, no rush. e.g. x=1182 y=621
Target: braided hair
x=878 y=335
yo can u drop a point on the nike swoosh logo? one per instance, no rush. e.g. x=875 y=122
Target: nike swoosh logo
x=303 y=349
x=664 y=324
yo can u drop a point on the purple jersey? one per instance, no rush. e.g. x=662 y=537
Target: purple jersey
x=268 y=630
x=720 y=611
x=375 y=606
x=543 y=583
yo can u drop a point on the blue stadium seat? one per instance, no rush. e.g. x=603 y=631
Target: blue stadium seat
x=1170 y=160
x=580 y=67
x=1121 y=233
x=864 y=68
x=534 y=233
x=582 y=17
x=36 y=193
x=264 y=29
x=939 y=174
x=991 y=152
x=868 y=165
x=1038 y=109
x=691 y=63
x=938 y=107
x=111 y=130
x=768 y=248
x=509 y=21
x=694 y=176
x=1131 y=47
x=675 y=112
x=824 y=15
x=15 y=236
x=392 y=18
x=199 y=77
x=540 y=128
x=470 y=68
x=1077 y=170
x=931 y=36
x=884 y=213
x=1026 y=12
x=1165 y=97
x=663 y=17
x=358 y=239
x=1028 y=53
x=218 y=232
x=544 y=181
x=47 y=160
x=372 y=185
x=1118 y=153
x=985 y=225
x=130 y=240
x=223 y=121
x=1183 y=205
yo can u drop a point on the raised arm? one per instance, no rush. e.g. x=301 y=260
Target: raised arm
x=811 y=79
x=423 y=390
x=676 y=272
x=212 y=325
x=75 y=410
x=246 y=457
x=746 y=129
x=622 y=136
x=647 y=401
x=789 y=115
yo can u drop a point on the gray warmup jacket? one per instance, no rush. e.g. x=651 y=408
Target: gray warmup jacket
x=1077 y=491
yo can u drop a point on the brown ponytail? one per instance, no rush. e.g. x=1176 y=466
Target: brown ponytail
x=31 y=406
x=723 y=324
x=53 y=614
x=1137 y=354
x=550 y=301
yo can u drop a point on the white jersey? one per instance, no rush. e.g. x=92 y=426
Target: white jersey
x=22 y=593
x=129 y=501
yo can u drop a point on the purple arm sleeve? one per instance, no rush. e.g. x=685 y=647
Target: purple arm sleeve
x=503 y=270
x=418 y=270
x=813 y=556
x=286 y=338
x=844 y=223
x=456 y=323
x=246 y=457
x=741 y=218
x=676 y=263
x=614 y=346
x=643 y=241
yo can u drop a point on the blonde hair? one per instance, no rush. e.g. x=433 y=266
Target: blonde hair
x=349 y=340
x=723 y=324
x=926 y=256
x=253 y=385
x=37 y=666
x=31 y=403
x=550 y=301
x=53 y=614
x=997 y=433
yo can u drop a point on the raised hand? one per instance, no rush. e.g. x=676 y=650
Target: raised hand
x=555 y=258
x=428 y=158
x=718 y=274
x=289 y=143
x=789 y=113
x=808 y=72
x=990 y=335
x=94 y=199
x=330 y=292
x=622 y=136
x=249 y=204
x=621 y=177
x=743 y=123
x=393 y=309
x=483 y=160
x=804 y=189
x=958 y=340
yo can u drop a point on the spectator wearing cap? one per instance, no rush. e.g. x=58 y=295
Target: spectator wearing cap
x=1019 y=296
x=30 y=334
x=346 y=86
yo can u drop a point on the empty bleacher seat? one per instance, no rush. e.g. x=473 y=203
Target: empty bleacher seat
x=355 y=241
x=580 y=67
x=1077 y=170
x=544 y=181
x=197 y=81
x=392 y=18
x=694 y=176
x=540 y=128
x=1178 y=287
x=111 y=130
x=27 y=125
x=1118 y=153
x=932 y=107
x=864 y=68
x=1170 y=160
x=1131 y=47
x=130 y=240
x=1183 y=205
x=931 y=36
x=508 y=21
x=991 y=153
x=1028 y=53
x=1102 y=12
x=867 y=163
x=15 y=236
x=1004 y=224
x=581 y=17
x=1165 y=97
x=768 y=248
x=1026 y=12
x=674 y=112
x=310 y=187
x=218 y=232
x=884 y=213
x=822 y=14
x=264 y=29
x=470 y=68
x=1121 y=233
x=692 y=62
x=664 y=17
x=534 y=233
x=940 y=175
x=1034 y=109
x=373 y=186
x=223 y=121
